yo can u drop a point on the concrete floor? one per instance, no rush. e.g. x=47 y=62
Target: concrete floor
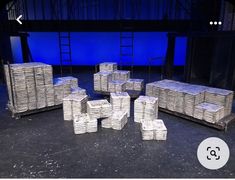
x=43 y=145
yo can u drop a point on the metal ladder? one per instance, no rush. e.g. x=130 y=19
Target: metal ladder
x=127 y=50
x=65 y=51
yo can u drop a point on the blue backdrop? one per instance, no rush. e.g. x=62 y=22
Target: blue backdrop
x=90 y=48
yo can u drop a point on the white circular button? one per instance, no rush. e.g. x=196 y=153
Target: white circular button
x=211 y=22
x=213 y=153
x=215 y=23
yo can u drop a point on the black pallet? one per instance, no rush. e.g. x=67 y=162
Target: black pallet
x=18 y=115
x=220 y=125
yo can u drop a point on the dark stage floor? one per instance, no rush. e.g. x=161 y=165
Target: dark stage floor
x=43 y=145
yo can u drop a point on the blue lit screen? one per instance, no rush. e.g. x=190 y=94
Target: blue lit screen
x=90 y=48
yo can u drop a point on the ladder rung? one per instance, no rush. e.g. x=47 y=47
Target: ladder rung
x=65 y=44
x=127 y=37
x=126 y=46
x=64 y=36
x=126 y=54
x=65 y=52
x=67 y=60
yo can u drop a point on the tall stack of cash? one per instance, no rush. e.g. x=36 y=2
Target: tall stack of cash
x=101 y=80
x=209 y=112
x=145 y=108
x=108 y=66
x=74 y=105
x=30 y=86
x=121 y=75
x=116 y=86
x=83 y=123
x=117 y=121
x=220 y=97
x=120 y=102
x=58 y=91
x=40 y=86
x=135 y=84
x=61 y=90
x=153 y=130
x=99 y=108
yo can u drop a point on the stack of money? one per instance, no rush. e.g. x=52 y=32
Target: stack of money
x=106 y=123
x=67 y=108
x=31 y=88
x=108 y=66
x=116 y=86
x=153 y=130
x=78 y=90
x=58 y=91
x=50 y=95
x=220 y=97
x=120 y=102
x=101 y=80
x=209 y=112
x=19 y=88
x=151 y=89
x=79 y=104
x=117 y=121
x=121 y=75
x=135 y=84
x=83 y=123
x=40 y=86
x=71 y=80
x=99 y=108
x=160 y=130
x=145 y=108
x=192 y=98
x=74 y=105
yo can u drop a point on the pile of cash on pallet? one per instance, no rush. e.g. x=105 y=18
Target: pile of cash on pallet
x=201 y=102
x=109 y=79
x=31 y=86
x=146 y=113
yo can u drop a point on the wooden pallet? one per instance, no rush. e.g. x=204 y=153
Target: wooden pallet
x=133 y=94
x=18 y=115
x=220 y=125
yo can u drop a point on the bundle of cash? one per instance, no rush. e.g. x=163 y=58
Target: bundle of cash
x=135 y=84
x=120 y=102
x=101 y=80
x=153 y=130
x=78 y=90
x=74 y=105
x=209 y=112
x=71 y=80
x=99 y=108
x=108 y=66
x=117 y=121
x=121 y=75
x=145 y=108
x=83 y=123
x=116 y=86
x=220 y=97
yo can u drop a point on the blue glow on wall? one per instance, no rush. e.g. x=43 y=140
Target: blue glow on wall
x=90 y=48
x=16 y=49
